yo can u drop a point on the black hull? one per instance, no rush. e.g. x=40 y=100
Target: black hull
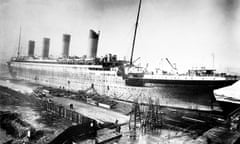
x=203 y=84
x=228 y=107
x=198 y=92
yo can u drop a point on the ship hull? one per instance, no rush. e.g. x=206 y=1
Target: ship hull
x=228 y=107
x=77 y=77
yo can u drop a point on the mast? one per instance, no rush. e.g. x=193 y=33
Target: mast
x=135 y=32
x=19 y=43
x=213 y=59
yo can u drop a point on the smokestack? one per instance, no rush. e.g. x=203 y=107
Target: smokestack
x=93 y=44
x=46 y=43
x=31 y=46
x=66 y=43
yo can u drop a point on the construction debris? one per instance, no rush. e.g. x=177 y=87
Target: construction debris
x=89 y=96
x=19 y=129
x=106 y=135
x=222 y=135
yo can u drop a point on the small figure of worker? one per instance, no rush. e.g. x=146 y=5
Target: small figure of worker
x=118 y=127
x=28 y=135
x=71 y=106
x=94 y=127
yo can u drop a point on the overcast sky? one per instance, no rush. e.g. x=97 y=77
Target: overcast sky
x=188 y=32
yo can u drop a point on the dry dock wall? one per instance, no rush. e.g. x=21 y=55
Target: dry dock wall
x=63 y=112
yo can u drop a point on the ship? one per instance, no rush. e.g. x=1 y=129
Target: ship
x=118 y=79
x=228 y=97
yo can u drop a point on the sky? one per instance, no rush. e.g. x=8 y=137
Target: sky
x=189 y=33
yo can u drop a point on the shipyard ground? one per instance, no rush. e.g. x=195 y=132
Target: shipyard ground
x=29 y=111
x=181 y=126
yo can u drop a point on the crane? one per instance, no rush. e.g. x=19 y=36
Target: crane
x=172 y=66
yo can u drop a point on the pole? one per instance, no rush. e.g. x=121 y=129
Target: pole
x=135 y=31
x=19 y=42
x=213 y=59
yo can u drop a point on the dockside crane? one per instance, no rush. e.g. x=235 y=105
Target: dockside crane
x=172 y=66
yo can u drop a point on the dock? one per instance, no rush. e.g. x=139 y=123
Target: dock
x=105 y=135
x=86 y=118
x=99 y=114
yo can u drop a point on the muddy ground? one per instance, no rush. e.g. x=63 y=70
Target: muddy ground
x=30 y=111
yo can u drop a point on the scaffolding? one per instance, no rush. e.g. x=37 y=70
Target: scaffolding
x=147 y=117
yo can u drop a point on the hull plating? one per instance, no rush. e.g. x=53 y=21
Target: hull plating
x=77 y=77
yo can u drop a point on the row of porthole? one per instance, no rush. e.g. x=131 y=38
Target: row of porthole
x=186 y=78
x=108 y=87
x=92 y=79
x=45 y=72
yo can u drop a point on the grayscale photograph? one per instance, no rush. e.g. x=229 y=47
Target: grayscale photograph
x=119 y=71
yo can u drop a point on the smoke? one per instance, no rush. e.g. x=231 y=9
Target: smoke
x=187 y=32
x=229 y=8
